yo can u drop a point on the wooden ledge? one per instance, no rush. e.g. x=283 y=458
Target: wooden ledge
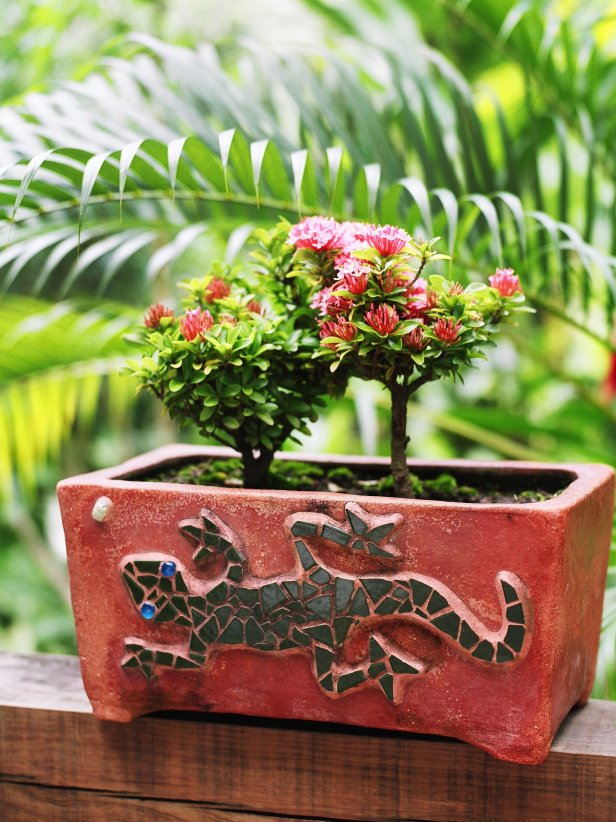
x=59 y=763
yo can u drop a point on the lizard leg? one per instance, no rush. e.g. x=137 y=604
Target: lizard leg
x=146 y=658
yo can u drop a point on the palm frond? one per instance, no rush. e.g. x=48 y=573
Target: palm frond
x=55 y=360
x=256 y=182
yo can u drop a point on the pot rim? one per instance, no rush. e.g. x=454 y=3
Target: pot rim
x=585 y=477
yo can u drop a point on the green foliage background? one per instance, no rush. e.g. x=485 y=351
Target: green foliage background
x=130 y=160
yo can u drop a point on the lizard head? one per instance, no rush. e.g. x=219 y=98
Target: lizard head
x=156 y=587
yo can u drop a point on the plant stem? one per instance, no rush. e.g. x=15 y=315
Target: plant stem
x=399 y=439
x=256 y=467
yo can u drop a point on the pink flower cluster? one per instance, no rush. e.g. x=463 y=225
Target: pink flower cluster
x=195 y=323
x=154 y=315
x=505 y=282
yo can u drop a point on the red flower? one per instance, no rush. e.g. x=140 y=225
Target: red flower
x=447 y=330
x=229 y=319
x=255 y=307
x=155 y=314
x=217 y=289
x=355 y=283
x=455 y=289
x=195 y=323
x=390 y=282
x=387 y=239
x=505 y=282
x=383 y=319
x=330 y=304
x=340 y=328
x=317 y=233
x=420 y=300
x=415 y=339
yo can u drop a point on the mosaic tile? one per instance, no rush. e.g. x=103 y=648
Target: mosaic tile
x=312 y=613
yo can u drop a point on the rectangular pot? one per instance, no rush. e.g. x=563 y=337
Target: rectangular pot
x=477 y=621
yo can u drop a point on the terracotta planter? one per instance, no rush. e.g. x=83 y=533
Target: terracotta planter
x=468 y=620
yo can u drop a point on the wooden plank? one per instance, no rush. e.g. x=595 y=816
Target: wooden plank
x=31 y=803
x=50 y=740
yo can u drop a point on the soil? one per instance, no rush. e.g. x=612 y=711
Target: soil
x=291 y=475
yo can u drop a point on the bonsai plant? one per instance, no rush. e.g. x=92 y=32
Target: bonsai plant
x=238 y=367
x=373 y=610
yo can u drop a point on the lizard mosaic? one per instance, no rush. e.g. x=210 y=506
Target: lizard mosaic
x=316 y=609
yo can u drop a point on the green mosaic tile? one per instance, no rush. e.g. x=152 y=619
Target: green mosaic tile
x=308 y=590
x=351 y=680
x=254 y=634
x=327 y=683
x=358 y=545
x=182 y=663
x=209 y=524
x=243 y=612
x=146 y=655
x=209 y=632
x=468 y=638
x=282 y=627
x=436 y=603
x=131 y=662
x=400 y=593
x=136 y=590
x=375 y=669
x=147 y=566
x=202 y=554
x=301 y=637
x=448 y=624
x=341 y=628
x=514 y=637
x=304 y=529
x=218 y=594
x=266 y=646
x=336 y=535
x=388 y=606
x=321 y=606
x=387 y=684
x=198 y=658
x=233 y=555
x=322 y=633
x=248 y=595
x=305 y=556
x=323 y=660
x=374 y=549
x=406 y=607
x=233 y=633
x=223 y=614
x=180 y=584
x=359 y=605
x=421 y=591
x=197 y=617
x=376 y=588
x=192 y=531
x=270 y=637
x=129 y=568
x=503 y=654
x=181 y=604
x=515 y=613
x=344 y=589
x=133 y=646
x=196 y=644
x=286 y=644
x=376 y=652
x=357 y=524
x=292 y=588
x=399 y=666
x=167 y=613
x=185 y=621
x=200 y=603
x=485 y=651
x=509 y=591
x=165 y=585
x=320 y=576
x=235 y=572
x=380 y=532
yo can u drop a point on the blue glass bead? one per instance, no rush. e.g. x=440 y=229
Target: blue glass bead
x=168 y=568
x=148 y=610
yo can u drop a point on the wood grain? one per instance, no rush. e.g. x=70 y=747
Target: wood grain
x=55 y=756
